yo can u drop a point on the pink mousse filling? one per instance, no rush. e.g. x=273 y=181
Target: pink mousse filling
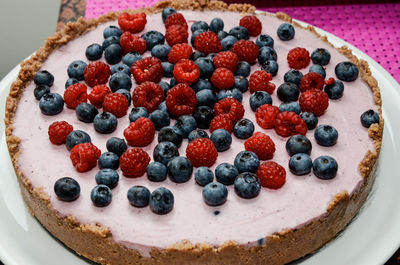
x=300 y=200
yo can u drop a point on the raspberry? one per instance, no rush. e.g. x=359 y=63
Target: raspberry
x=179 y=51
x=311 y=81
x=84 y=156
x=147 y=69
x=181 y=100
x=222 y=122
x=186 y=71
x=271 y=175
x=329 y=81
x=222 y=78
x=208 y=42
x=298 y=58
x=288 y=123
x=140 y=133
x=176 y=19
x=315 y=101
x=148 y=95
x=58 y=132
x=252 y=24
x=246 y=50
x=176 y=34
x=116 y=103
x=266 y=115
x=259 y=81
x=132 y=43
x=96 y=73
x=134 y=162
x=230 y=106
x=133 y=23
x=75 y=94
x=226 y=59
x=96 y=96
x=261 y=144
x=201 y=152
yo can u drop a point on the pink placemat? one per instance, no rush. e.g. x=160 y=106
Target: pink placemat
x=373 y=28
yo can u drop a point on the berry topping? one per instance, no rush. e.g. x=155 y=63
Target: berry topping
x=221 y=139
x=247 y=185
x=86 y=112
x=181 y=100
x=116 y=145
x=320 y=56
x=266 y=115
x=208 y=42
x=215 y=194
x=226 y=173
x=133 y=23
x=108 y=160
x=258 y=99
x=222 y=78
x=311 y=81
x=113 y=54
x=153 y=38
x=58 y=132
x=105 y=122
x=206 y=66
x=300 y=164
x=216 y=25
x=108 y=177
x=132 y=43
x=271 y=175
x=222 y=121
x=316 y=68
x=298 y=58
x=75 y=94
x=67 y=189
x=186 y=71
x=265 y=40
x=290 y=106
x=271 y=67
x=166 y=12
x=288 y=92
x=40 y=91
x=148 y=95
x=261 y=144
x=298 y=144
x=346 y=71
x=203 y=176
x=147 y=69
x=252 y=24
x=335 y=89
x=240 y=33
x=289 y=123
x=97 y=94
x=96 y=73
x=156 y=172
x=246 y=50
x=226 y=59
x=293 y=76
x=112 y=31
x=43 y=77
x=160 y=119
x=231 y=107
x=310 y=118
x=368 y=118
x=164 y=152
x=325 y=167
x=243 y=129
x=101 y=195
x=285 y=32
x=315 y=101
x=176 y=19
x=180 y=169
x=138 y=196
x=161 y=201
x=203 y=116
x=185 y=124
x=116 y=104
x=140 y=133
x=133 y=162
x=170 y=134
x=260 y=81
x=76 y=137
x=246 y=161
x=84 y=156
x=227 y=42
x=179 y=51
x=326 y=135
x=199 y=25
x=176 y=34
x=201 y=152
x=197 y=134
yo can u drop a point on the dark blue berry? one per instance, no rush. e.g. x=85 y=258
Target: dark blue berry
x=153 y=38
x=310 y=118
x=105 y=122
x=298 y=144
x=75 y=70
x=326 y=135
x=70 y=81
x=180 y=169
x=159 y=118
x=227 y=42
x=110 y=40
x=325 y=167
x=346 y=71
x=300 y=164
x=130 y=58
x=101 y=195
x=156 y=172
x=369 y=117
x=161 y=51
x=203 y=116
x=194 y=35
x=196 y=55
x=335 y=90
x=108 y=177
x=266 y=54
x=243 y=129
x=285 y=32
x=121 y=68
x=216 y=25
x=201 y=85
x=126 y=93
x=288 y=92
x=246 y=161
x=320 y=56
x=40 y=91
x=161 y=201
x=185 y=124
x=206 y=97
x=94 y=52
x=240 y=33
x=67 y=189
x=241 y=83
x=198 y=133
x=51 y=104
x=172 y=82
x=247 y=185
x=43 y=77
x=215 y=194
x=258 y=99
x=222 y=34
x=138 y=112
x=199 y=25
x=163 y=106
x=293 y=76
x=265 y=40
x=86 y=112
x=113 y=54
x=231 y=93
x=206 y=67
x=138 y=196
x=112 y=31
x=316 y=68
x=165 y=86
x=164 y=152
x=226 y=173
x=168 y=69
x=77 y=137
x=243 y=69
x=108 y=160
x=221 y=139
x=170 y=134
x=271 y=67
x=293 y=106
x=203 y=176
x=166 y=12
x=116 y=145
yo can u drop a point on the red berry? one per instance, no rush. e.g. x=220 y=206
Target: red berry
x=222 y=78
x=208 y=42
x=148 y=95
x=261 y=144
x=246 y=50
x=252 y=24
x=84 y=156
x=298 y=58
x=266 y=115
x=315 y=101
x=96 y=73
x=260 y=81
x=176 y=34
x=222 y=122
x=75 y=94
x=288 y=123
x=181 y=100
x=226 y=59
x=186 y=71
x=176 y=19
x=147 y=69
x=58 y=132
x=329 y=81
x=271 y=175
x=179 y=51
x=116 y=103
x=231 y=107
x=134 y=162
x=133 y=23
x=132 y=43
x=201 y=152
x=140 y=133
x=96 y=96
x=311 y=81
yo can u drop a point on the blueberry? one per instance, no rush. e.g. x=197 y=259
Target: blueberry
x=206 y=97
x=231 y=93
x=112 y=31
x=369 y=117
x=108 y=177
x=163 y=106
x=138 y=196
x=215 y=194
x=226 y=173
x=94 y=52
x=75 y=70
x=70 y=81
x=159 y=118
x=346 y=71
x=67 y=189
x=243 y=69
x=138 y=112
x=101 y=195
x=126 y=93
x=293 y=76
x=221 y=139
x=161 y=201
x=201 y=85
x=156 y=172
x=335 y=90
x=185 y=124
x=265 y=40
x=320 y=56
x=325 y=167
x=288 y=92
x=116 y=145
x=164 y=152
x=241 y=83
x=168 y=69
x=222 y=34
x=180 y=169
x=240 y=33
x=216 y=25
x=86 y=112
x=105 y=122
x=246 y=161
x=172 y=82
x=51 y=104
x=243 y=129
x=227 y=42
x=113 y=54
x=199 y=25
x=267 y=54
x=285 y=32
x=293 y=106
x=76 y=137
x=43 y=77
x=326 y=135
x=247 y=185
x=316 y=68
x=300 y=164
x=170 y=134
x=298 y=144
x=198 y=133
x=310 y=118
x=121 y=68
x=203 y=116
x=153 y=38
x=110 y=40
x=130 y=58
x=166 y=12
x=108 y=160
x=165 y=86
x=40 y=91
x=194 y=36
x=203 y=176
x=258 y=99
x=196 y=55
x=206 y=67
x=271 y=67
x=161 y=51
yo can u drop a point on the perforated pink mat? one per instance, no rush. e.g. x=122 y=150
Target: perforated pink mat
x=373 y=28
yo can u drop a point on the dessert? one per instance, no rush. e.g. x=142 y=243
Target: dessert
x=269 y=211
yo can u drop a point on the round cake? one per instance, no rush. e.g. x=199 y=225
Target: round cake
x=260 y=159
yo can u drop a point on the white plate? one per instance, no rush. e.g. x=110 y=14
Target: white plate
x=371 y=238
